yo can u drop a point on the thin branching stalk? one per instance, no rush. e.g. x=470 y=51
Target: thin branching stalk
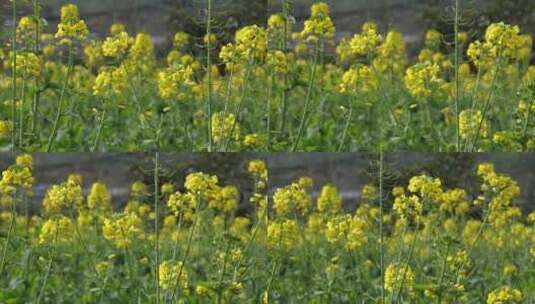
x=249 y=244
x=528 y=119
x=268 y=111
x=51 y=253
x=486 y=107
x=307 y=99
x=14 y=75
x=61 y=97
x=381 y=236
x=406 y=264
x=21 y=111
x=284 y=95
x=37 y=94
x=156 y=232
x=8 y=238
x=99 y=130
x=219 y=285
x=346 y=127
x=473 y=245
x=442 y=274
x=457 y=62
x=238 y=109
x=209 y=73
x=187 y=251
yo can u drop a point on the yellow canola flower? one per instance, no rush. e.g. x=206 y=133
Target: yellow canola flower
x=56 y=230
x=472 y=124
x=28 y=64
x=504 y=295
x=433 y=39
x=278 y=61
x=116 y=29
x=200 y=183
x=181 y=41
x=426 y=187
x=99 y=197
x=251 y=42
x=174 y=82
x=6 y=127
x=398 y=275
x=329 y=200
x=391 y=54
x=283 y=234
x=18 y=177
x=71 y=27
x=117 y=46
x=350 y=231
x=319 y=25
x=63 y=197
x=406 y=207
x=420 y=77
x=123 y=229
x=110 y=81
x=172 y=275
x=258 y=169
x=225 y=127
x=367 y=42
x=360 y=79
x=290 y=199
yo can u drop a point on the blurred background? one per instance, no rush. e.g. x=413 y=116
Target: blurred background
x=349 y=172
x=119 y=171
x=162 y=18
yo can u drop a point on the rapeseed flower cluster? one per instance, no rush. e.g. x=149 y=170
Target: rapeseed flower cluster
x=292 y=199
x=173 y=275
x=57 y=230
x=433 y=237
x=283 y=65
x=225 y=127
x=504 y=295
x=71 y=27
x=64 y=197
x=123 y=230
x=319 y=26
x=18 y=177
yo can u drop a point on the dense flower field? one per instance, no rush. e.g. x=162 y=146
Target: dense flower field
x=201 y=243
x=273 y=88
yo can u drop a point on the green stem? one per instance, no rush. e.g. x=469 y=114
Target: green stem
x=99 y=130
x=284 y=97
x=456 y=30
x=45 y=280
x=307 y=100
x=51 y=253
x=442 y=274
x=346 y=128
x=8 y=238
x=268 y=110
x=186 y=253
x=487 y=105
x=238 y=109
x=156 y=232
x=209 y=73
x=37 y=94
x=14 y=76
x=60 y=102
x=381 y=237
x=21 y=111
